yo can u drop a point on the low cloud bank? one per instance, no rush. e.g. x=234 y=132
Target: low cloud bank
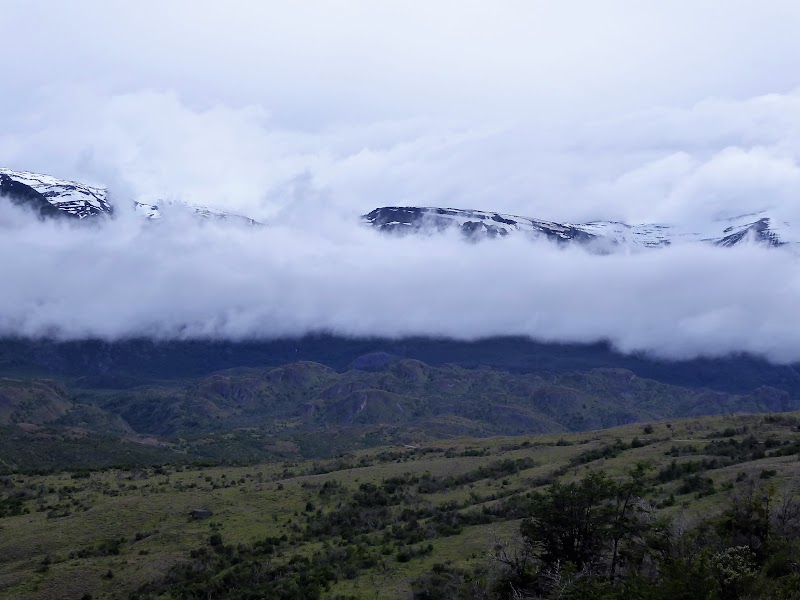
x=186 y=279
x=315 y=269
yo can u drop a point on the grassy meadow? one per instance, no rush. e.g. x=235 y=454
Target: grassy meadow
x=111 y=533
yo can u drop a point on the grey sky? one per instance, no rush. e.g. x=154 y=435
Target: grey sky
x=318 y=61
x=538 y=108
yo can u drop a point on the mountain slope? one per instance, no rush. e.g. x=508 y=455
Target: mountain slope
x=24 y=195
x=51 y=197
x=32 y=401
x=70 y=197
x=410 y=395
x=157 y=212
x=600 y=235
x=127 y=363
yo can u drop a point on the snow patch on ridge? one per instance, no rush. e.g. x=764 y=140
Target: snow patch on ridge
x=72 y=197
x=84 y=201
x=602 y=235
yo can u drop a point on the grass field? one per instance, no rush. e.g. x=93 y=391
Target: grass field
x=106 y=533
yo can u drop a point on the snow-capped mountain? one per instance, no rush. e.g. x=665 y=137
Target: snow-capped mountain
x=157 y=212
x=52 y=197
x=69 y=197
x=604 y=235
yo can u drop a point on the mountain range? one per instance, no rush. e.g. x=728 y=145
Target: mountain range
x=311 y=409
x=53 y=197
x=600 y=235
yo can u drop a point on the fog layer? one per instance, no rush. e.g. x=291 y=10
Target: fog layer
x=187 y=279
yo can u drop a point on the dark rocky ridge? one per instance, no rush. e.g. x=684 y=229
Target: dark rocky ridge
x=24 y=195
x=601 y=236
x=128 y=363
x=473 y=224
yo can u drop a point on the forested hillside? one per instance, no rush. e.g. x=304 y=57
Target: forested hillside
x=306 y=409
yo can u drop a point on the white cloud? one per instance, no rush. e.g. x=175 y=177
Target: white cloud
x=320 y=61
x=710 y=159
x=185 y=280
x=310 y=113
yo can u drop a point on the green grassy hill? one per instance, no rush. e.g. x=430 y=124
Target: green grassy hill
x=32 y=401
x=376 y=523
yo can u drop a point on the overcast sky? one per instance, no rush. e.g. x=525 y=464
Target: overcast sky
x=570 y=110
x=675 y=111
